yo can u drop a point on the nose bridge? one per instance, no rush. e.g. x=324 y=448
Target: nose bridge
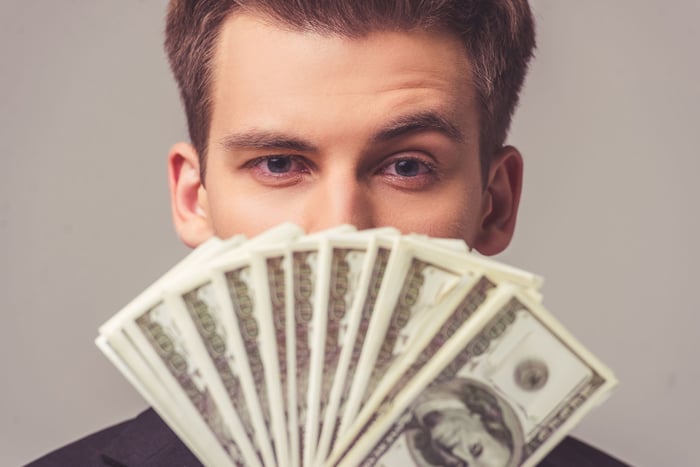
x=342 y=199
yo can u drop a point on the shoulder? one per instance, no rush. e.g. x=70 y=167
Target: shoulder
x=85 y=451
x=147 y=440
x=144 y=440
x=571 y=452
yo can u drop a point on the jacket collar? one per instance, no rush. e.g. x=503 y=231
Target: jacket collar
x=148 y=441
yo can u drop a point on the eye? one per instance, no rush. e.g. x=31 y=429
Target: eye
x=278 y=170
x=278 y=165
x=476 y=449
x=407 y=167
x=410 y=171
x=447 y=438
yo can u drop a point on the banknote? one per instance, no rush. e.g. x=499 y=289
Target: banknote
x=345 y=257
x=271 y=265
x=120 y=351
x=348 y=348
x=419 y=274
x=376 y=259
x=309 y=277
x=447 y=316
x=225 y=326
x=259 y=345
x=502 y=391
x=452 y=244
x=159 y=339
x=119 y=348
x=402 y=295
x=203 y=319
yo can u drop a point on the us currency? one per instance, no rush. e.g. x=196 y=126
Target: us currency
x=121 y=352
x=328 y=259
x=303 y=274
x=261 y=350
x=271 y=266
x=204 y=301
x=119 y=348
x=419 y=274
x=237 y=284
x=502 y=391
x=345 y=257
x=159 y=339
x=447 y=317
x=230 y=331
x=374 y=269
x=206 y=324
x=308 y=278
x=452 y=244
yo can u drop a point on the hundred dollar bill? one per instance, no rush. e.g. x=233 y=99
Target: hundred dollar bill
x=121 y=346
x=419 y=274
x=159 y=339
x=271 y=264
x=119 y=349
x=447 y=317
x=344 y=257
x=453 y=244
x=213 y=341
x=503 y=391
x=356 y=272
x=308 y=277
x=255 y=345
x=133 y=366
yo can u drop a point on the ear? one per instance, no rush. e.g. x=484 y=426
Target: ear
x=500 y=202
x=188 y=197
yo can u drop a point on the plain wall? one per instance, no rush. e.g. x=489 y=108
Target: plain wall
x=608 y=124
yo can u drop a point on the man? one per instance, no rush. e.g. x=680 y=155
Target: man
x=370 y=113
x=461 y=422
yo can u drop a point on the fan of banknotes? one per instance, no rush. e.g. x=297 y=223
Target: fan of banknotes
x=348 y=347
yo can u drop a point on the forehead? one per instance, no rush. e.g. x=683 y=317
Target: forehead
x=261 y=67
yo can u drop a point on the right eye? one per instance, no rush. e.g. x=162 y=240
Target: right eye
x=476 y=449
x=278 y=164
x=278 y=170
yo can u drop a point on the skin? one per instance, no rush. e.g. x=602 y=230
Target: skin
x=461 y=438
x=375 y=131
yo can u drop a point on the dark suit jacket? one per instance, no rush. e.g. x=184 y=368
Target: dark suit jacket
x=147 y=441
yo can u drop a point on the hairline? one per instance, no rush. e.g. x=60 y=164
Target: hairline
x=326 y=31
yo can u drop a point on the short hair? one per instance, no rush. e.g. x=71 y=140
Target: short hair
x=498 y=36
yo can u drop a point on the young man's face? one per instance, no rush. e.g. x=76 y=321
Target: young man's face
x=325 y=130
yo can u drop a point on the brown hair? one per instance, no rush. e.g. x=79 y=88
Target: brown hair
x=498 y=36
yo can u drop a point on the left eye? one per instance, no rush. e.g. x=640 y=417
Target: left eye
x=278 y=165
x=407 y=168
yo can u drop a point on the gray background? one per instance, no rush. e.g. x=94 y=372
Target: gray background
x=608 y=125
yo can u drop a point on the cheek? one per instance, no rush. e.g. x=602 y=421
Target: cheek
x=240 y=212
x=450 y=215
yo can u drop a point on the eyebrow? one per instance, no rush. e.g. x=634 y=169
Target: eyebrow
x=416 y=123
x=401 y=126
x=263 y=139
